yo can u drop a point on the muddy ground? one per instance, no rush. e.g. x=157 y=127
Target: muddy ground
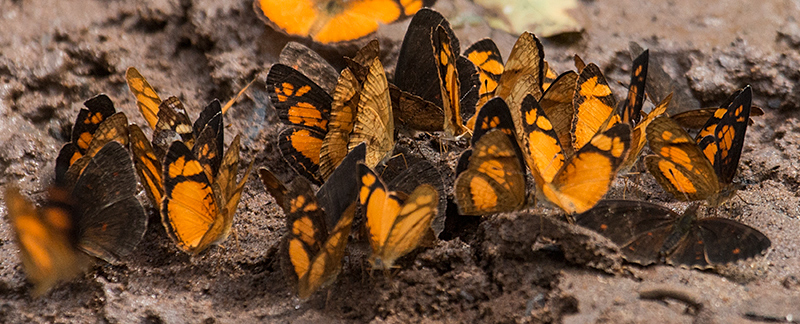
x=522 y=267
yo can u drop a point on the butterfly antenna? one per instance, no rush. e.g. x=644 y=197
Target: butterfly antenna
x=742 y=198
x=233 y=100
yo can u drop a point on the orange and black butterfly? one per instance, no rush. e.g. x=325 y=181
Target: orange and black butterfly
x=697 y=118
x=305 y=109
x=334 y=21
x=648 y=233
x=701 y=168
x=99 y=215
x=596 y=109
x=98 y=110
x=523 y=74
x=206 y=140
x=491 y=174
x=198 y=205
x=396 y=222
x=417 y=90
x=318 y=226
x=578 y=182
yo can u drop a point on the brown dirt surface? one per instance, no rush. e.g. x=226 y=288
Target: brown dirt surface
x=529 y=266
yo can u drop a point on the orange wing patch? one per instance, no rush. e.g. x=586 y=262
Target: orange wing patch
x=487 y=58
x=333 y=21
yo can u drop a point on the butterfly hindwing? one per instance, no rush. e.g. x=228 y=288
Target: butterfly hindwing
x=491 y=174
x=557 y=105
x=374 y=122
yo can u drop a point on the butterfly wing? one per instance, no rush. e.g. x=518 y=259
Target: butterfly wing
x=146 y=98
x=585 y=178
x=494 y=179
x=112 y=221
x=190 y=210
x=148 y=167
x=678 y=165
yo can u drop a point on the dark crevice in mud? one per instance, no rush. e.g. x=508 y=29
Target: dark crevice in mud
x=91 y=63
x=459 y=226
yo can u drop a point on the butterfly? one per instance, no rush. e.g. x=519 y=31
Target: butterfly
x=197 y=208
x=648 y=233
x=577 y=182
x=333 y=21
x=374 y=122
x=701 y=168
x=596 y=108
x=396 y=223
x=421 y=85
x=491 y=174
x=318 y=226
x=205 y=137
x=305 y=109
x=95 y=126
x=98 y=214
x=522 y=74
